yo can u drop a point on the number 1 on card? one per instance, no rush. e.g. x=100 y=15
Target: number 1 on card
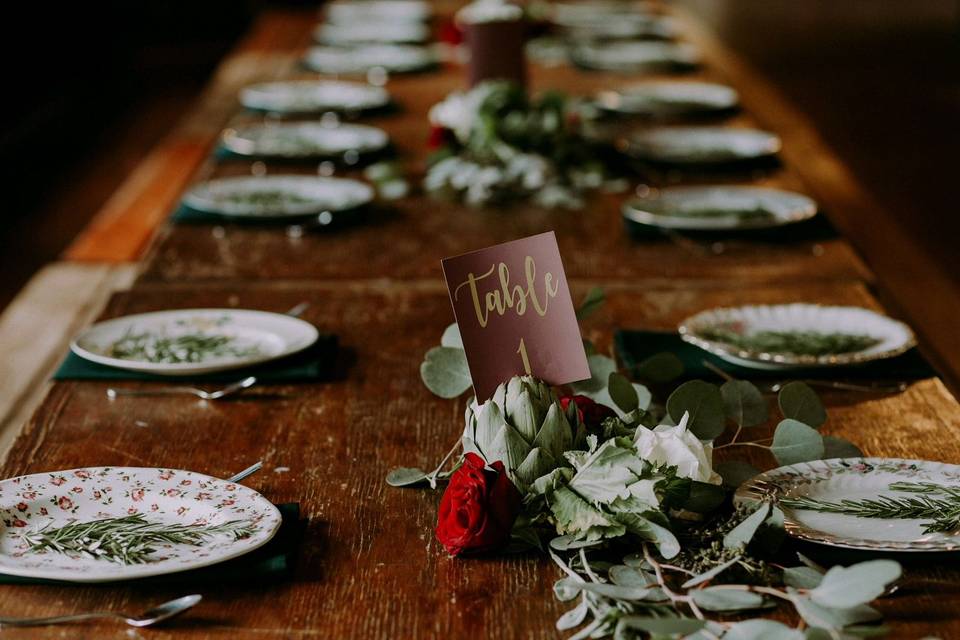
x=523 y=356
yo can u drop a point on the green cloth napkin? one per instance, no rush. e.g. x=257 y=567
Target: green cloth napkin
x=817 y=228
x=273 y=561
x=633 y=346
x=318 y=362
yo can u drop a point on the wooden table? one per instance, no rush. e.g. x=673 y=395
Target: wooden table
x=369 y=565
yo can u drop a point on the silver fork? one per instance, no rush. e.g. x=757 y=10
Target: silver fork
x=149 y=617
x=219 y=394
x=892 y=387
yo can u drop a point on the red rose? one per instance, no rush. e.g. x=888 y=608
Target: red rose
x=438 y=138
x=590 y=413
x=478 y=508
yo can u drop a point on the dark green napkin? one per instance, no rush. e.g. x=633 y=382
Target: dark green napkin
x=816 y=229
x=273 y=561
x=317 y=362
x=632 y=347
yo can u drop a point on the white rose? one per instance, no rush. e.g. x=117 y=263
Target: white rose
x=675 y=446
x=458 y=111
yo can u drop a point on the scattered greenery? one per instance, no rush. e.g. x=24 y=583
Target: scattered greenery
x=184 y=348
x=801 y=343
x=126 y=540
x=938 y=503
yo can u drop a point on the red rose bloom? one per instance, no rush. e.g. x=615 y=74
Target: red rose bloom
x=478 y=508
x=591 y=414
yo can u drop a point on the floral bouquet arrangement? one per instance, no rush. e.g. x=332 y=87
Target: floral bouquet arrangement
x=622 y=492
x=494 y=144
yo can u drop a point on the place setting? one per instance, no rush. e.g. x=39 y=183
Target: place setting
x=145 y=526
x=362 y=59
x=348 y=144
x=668 y=99
x=315 y=97
x=175 y=349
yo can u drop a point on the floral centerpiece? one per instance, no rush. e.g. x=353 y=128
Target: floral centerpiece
x=622 y=492
x=494 y=144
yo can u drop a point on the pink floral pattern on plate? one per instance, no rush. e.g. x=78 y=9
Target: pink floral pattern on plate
x=160 y=495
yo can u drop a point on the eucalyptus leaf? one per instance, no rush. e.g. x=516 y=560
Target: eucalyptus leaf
x=799 y=402
x=762 y=630
x=406 y=476
x=660 y=626
x=817 y=615
x=802 y=577
x=566 y=589
x=710 y=574
x=630 y=594
x=704 y=497
x=735 y=472
x=626 y=576
x=834 y=447
x=644 y=397
x=445 y=372
x=574 y=617
x=743 y=403
x=591 y=302
x=721 y=599
x=451 y=337
x=704 y=403
x=795 y=442
x=567 y=543
x=622 y=392
x=741 y=535
x=601 y=367
x=659 y=368
x=844 y=587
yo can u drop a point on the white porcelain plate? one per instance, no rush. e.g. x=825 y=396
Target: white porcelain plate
x=626 y=25
x=702 y=145
x=28 y=503
x=669 y=98
x=277 y=196
x=193 y=341
x=352 y=33
x=635 y=56
x=304 y=139
x=854 y=479
x=345 y=11
x=393 y=58
x=716 y=208
x=313 y=96
x=719 y=331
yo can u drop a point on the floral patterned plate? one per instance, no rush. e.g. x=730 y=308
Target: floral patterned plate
x=194 y=341
x=166 y=496
x=854 y=479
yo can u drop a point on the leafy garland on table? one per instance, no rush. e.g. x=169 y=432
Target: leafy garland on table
x=621 y=492
x=495 y=144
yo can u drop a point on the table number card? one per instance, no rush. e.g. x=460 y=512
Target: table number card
x=515 y=314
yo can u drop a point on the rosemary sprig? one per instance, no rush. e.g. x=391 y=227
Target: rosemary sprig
x=943 y=512
x=801 y=343
x=192 y=347
x=128 y=539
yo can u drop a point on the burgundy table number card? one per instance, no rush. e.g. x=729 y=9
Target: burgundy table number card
x=515 y=314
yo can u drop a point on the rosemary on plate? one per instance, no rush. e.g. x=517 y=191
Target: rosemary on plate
x=185 y=348
x=264 y=197
x=801 y=343
x=128 y=539
x=938 y=503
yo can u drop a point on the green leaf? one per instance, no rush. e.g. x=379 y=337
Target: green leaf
x=741 y=535
x=659 y=626
x=801 y=577
x=845 y=587
x=445 y=372
x=607 y=473
x=451 y=337
x=576 y=516
x=591 y=302
x=743 y=403
x=644 y=397
x=566 y=589
x=622 y=392
x=828 y=618
x=703 y=497
x=704 y=403
x=601 y=367
x=799 y=402
x=631 y=594
x=795 y=442
x=406 y=476
x=762 y=630
x=641 y=525
x=834 y=447
x=574 y=617
x=566 y=543
x=659 y=368
x=735 y=472
x=721 y=599
x=710 y=574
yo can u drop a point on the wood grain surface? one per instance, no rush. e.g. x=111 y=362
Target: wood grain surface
x=369 y=565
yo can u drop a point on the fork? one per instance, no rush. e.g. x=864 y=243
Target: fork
x=219 y=394
x=152 y=616
x=893 y=387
